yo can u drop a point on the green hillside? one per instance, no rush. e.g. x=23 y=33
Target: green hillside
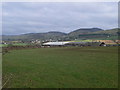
x=32 y=36
x=80 y=34
x=83 y=31
x=111 y=31
x=100 y=34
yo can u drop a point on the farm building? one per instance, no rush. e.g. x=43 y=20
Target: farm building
x=73 y=44
x=107 y=41
x=110 y=42
x=55 y=43
x=117 y=41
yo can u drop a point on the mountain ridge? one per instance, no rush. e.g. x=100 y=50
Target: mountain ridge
x=82 y=33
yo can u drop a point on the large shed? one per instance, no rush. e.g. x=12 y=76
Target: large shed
x=72 y=44
x=55 y=43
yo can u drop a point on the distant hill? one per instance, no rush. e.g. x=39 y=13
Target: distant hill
x=114 y=31
x=83 y=33
x=94 y=33
x=32 y=36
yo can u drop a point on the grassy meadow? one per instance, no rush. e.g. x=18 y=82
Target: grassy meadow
x=64 y=67
x=16 y=44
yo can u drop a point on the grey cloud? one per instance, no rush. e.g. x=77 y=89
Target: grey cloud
x=42 y=17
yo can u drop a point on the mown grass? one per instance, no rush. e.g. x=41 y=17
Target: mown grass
x=73 y=67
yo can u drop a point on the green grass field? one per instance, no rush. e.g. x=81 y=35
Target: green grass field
x=65 y=67
x=17 y=44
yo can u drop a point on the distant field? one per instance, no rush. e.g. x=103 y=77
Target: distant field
x=1 y=45
x=20 y=44
x=67 y=67
x=81 y=41
x=17 y=44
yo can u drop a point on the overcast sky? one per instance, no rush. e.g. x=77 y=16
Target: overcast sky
x=21 y=17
